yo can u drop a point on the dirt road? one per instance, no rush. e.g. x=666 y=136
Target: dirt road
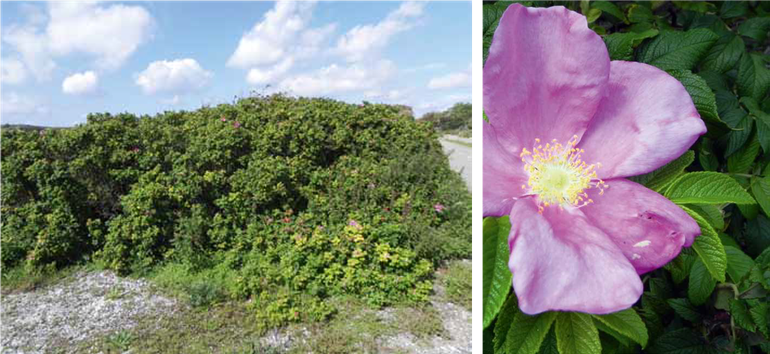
x=459 y=151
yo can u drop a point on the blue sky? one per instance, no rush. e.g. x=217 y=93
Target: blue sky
x=61 y=61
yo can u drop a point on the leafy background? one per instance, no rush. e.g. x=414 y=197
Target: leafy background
x=713 y=297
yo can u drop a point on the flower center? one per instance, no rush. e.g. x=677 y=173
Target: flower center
x=558 y=176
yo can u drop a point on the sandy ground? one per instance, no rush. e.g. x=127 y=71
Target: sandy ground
x=459 y=156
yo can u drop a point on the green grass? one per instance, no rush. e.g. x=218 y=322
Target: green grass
x=457 y=282
x=357 y=328
x=230 y=327
x=21 y=278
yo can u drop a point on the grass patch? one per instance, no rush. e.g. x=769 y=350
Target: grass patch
x=222 y=328
x=358 y=328
x=460 y=142
x=21 y=278
x=457 y=282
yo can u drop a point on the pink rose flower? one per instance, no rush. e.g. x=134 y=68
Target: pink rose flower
x=439 y=207
x=237 y=125
x=224 y=119
x=355 y=224
x=566 y=126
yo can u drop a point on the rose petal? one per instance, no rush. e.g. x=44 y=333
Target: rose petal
x=649 y=229
x=560 y=262
x=503 y=174
x=647 y=120
x=545 y=75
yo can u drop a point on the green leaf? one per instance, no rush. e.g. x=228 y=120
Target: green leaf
x=615 y=334
x=727 y=102
x=742 y=160
x=727 y=240
x=742 y=132
x=680 y=341
x=706 y=156
x=610 y=9
x=757 y=235
x=707 y=188
x=627 y=323
x=549 y=344
x=678 y=50
x=701 y=94
x=488 y=341
x=701 y=283
x=593 y=15
x=740 y=313
x=760 y=187
x=504 y=321
x=657 y=180
x=492 y=15
x=577 y=334
x=680 y=266
x=764 y=258
x=753 y=77
x=725 y=53
x=712 y=214
x=639 y=13
x=759 y=314
x=528 y=332
x=697 y=6
x=762 y=119
x=755 y=28
x=715 y=80
x=621 y=45
x=497 y=277
x=487 y=42
x=738 y=263
x=709 y=248
x=685 y=309
x=732 y=9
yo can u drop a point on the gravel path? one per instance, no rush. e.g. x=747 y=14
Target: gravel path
x=76 y=309
x=459 y=156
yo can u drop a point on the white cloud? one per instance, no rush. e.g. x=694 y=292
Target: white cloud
x=33 y=48
x=258 y=76
x=80 y=83
x=12 y=71
x=15 y=104
x=362 y=42
x=335 y=79
x=111 y=33
x=453 y=80
x=176 y=76
x=266 y=42
x=275 y=44
x=108 y=33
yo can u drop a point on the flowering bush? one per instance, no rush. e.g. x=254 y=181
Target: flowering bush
x=258 y=197
x=570 y=234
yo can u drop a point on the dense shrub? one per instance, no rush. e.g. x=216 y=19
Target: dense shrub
x=285 y=201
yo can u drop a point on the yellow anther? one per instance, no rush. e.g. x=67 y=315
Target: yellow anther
x=558 y=176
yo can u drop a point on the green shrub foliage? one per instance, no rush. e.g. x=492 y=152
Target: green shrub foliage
x=289 y=200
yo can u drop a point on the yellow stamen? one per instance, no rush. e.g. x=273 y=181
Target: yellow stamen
x=558 y=176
